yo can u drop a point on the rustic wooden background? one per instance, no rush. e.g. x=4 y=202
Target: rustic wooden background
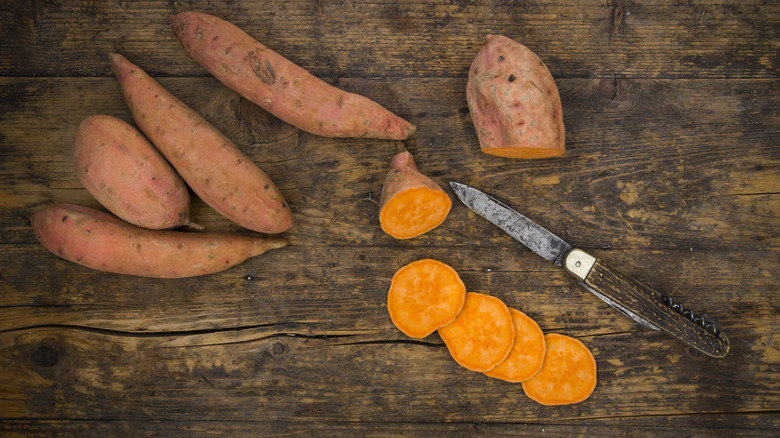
x=672 y=172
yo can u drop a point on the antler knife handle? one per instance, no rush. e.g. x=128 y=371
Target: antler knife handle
x=699 y=332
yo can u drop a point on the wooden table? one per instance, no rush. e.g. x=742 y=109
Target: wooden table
x=672 y=172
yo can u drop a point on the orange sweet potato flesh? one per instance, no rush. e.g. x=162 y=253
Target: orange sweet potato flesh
x=527 y=355
x=101 y=241
x=127 y=175
x=211 y=164
x=514 y=102
x=412 y=204
x=482 y=335
x=279 y=86
x=425 y=295
x=568 y=374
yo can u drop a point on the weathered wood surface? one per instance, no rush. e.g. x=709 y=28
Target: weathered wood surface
x=672 y=173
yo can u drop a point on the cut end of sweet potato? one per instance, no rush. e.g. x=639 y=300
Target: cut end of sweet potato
x=424 y=296
x=413 y=212
x=568 y=374
x=525 y=153
x=527 y=355
x=482 y=335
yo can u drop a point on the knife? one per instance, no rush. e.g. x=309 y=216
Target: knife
x=632 y=298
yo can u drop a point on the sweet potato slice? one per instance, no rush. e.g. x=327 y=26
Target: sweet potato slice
x=412 y=203
x=568 y=374
x=482 y=335
x=527 y=355
x=514 y=102
x=425 y=295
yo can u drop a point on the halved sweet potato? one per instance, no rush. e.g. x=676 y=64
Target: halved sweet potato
x=514 y=102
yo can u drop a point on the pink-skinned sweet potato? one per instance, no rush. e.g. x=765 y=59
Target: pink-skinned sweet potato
x=101 y=241
x=412 y=204
x=127 y=175
x=514 y=102
x=211 y=164
x=279 y=86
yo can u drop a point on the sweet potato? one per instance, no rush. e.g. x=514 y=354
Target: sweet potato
x=527 y=355
x=211 y=164
x=412 y=204
x=101 y=241
x=127 y=175
x=279 y=86
x=514 y=102
x=568 y=374
x=424 y=296
x=482 y=335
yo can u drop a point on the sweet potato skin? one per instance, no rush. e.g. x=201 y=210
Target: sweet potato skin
x=514 y=102
x=127 y=175
x=402 y=176
x=211 y=164
x=279 y=86
x=101 y=241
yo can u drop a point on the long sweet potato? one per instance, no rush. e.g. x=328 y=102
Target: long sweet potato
x=104 y=242
x=412 y=203
x=514 y=102
x=279 y=86
x=213 y=166
x=127 y=175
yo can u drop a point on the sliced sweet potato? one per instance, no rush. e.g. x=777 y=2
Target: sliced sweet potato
x=527 y=355
x=482 y=335
x=425 y=295
x=568 y=374
x=514 y=102
x=412 y=203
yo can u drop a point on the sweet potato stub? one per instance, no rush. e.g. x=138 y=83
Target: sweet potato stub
x=424 y=296
x=413 y=212
x=568 y=374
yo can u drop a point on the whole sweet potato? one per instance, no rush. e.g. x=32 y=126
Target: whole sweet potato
x=213 y=166
x=514 y=102
x=104 y=242
x=412 y=203
x=279 y=86
x=127 y=175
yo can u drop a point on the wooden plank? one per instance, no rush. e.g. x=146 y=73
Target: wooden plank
x=434 y=38
x=64 y=372
x=737 y=425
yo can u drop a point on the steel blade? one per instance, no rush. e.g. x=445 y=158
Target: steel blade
x=537 y=238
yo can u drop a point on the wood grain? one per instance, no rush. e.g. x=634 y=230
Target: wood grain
x=672 y=174
x=594 y=38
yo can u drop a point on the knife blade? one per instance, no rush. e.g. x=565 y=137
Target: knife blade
x=632 y=298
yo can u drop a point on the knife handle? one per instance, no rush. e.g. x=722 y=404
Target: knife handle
x=699 y=332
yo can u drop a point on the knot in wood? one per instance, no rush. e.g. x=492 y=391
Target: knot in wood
x=45 y=356
x=279 y=348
